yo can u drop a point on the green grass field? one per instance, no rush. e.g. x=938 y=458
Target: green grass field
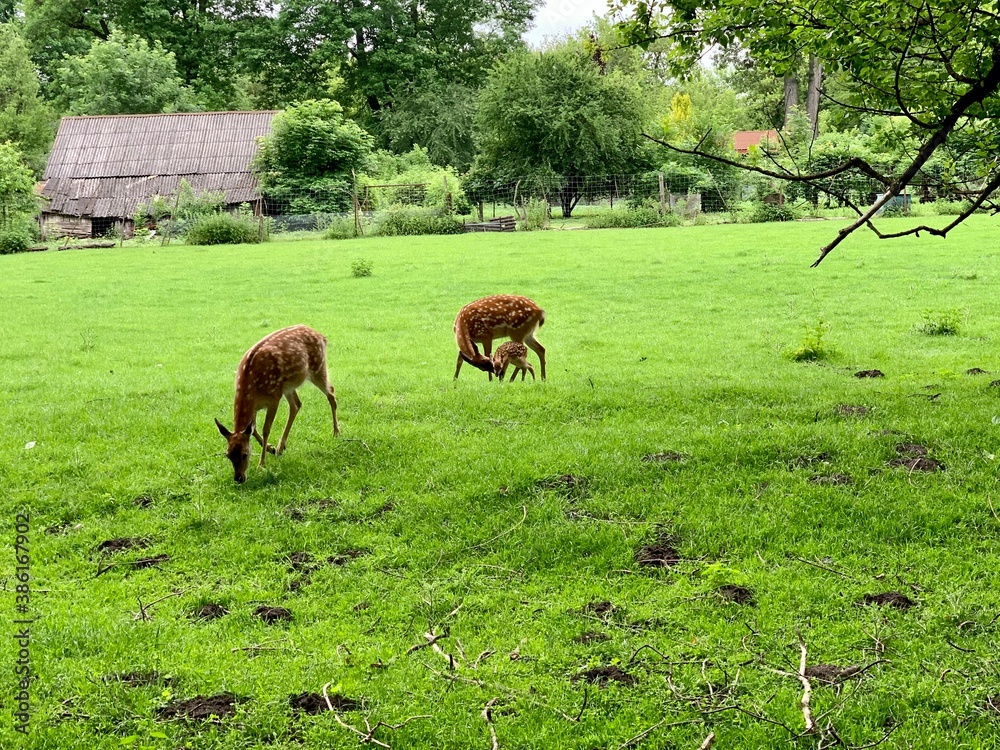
x=510 y=517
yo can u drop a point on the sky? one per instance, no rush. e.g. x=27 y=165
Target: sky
x=558 y=17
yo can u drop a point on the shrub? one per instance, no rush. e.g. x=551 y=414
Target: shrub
x=536 y=215
x=940 y=322
x=14 y=241
x=950 y=208
x=223 y=229
x=812 y=348
x=632 y=218
x=765 y=212
x=340 y=228
x=361 y=268
x=398 y=221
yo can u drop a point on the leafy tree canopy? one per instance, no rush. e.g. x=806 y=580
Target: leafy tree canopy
x=381 y=48
x=122 y=75
x=554 y=113
x=24 y=118
x=934 y=62
x=17 y=187
x=312 y=147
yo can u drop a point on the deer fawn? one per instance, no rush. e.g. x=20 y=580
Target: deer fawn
x=499 y=316
x=512 y=353
x=274 y=367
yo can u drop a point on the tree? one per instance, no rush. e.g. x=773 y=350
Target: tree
x=24 y=118
x=122 y=76
x=17 y=188
x=8 y=9
x=935 y=63
x=383 y=47
x=436 y=115
x=310 y=155
x=552 y=114
x=214 y=43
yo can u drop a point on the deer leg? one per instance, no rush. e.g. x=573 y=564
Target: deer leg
x=488 y=352
x=530 y=369
x=259 y=438
x=294 y=404
x=459 y=365
x=537 y=348
x=333 y=408
x=503 y=372
x=268 y=421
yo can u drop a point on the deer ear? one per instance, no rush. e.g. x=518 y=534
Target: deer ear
x=249 y=430
x=225 y=433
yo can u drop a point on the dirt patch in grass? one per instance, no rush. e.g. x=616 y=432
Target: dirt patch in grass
x=300 y=560
x=110 y=546
x=836 y=480
x=272 y=615
x=667 y=457
x=852 y=410
x=314 y=703
x=831 y=673
x=992 y=704
x=200 y=708
x=138 y=679
x=209 y=611
x=591 y=636
x=976 y=371
x=143 y=501
x=604 y=675
x=295 y=514
x=662 y=553
x=869 y=374
x=299 y=583
x=598 y=608
x=911 y=450
x=917 y=464
x=737 y=594
x=894 y=599
x=345 y=556
x=995 y=384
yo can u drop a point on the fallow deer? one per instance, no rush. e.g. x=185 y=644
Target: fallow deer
x=512 y=353
x=274 y=367
x=497 y=317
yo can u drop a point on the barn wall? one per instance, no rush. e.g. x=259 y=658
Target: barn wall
x=60 y=225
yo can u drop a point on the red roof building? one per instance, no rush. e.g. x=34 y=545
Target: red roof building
x=744 y=139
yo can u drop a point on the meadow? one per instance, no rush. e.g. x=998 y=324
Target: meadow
x=631 y=554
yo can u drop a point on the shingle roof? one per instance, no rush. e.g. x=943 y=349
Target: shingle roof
x=107 y=165
x=744 y=139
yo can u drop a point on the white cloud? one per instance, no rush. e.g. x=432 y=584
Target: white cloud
x=556 y=18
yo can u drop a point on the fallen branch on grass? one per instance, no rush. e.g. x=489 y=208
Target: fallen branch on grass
x=368 y=737
x=806 y=685
x=488 y=716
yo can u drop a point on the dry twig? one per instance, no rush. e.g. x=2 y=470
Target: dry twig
x=488 y=716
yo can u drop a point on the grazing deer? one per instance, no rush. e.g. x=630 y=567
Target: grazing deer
x=274 y=367
x=512 y=353
x=497 y=317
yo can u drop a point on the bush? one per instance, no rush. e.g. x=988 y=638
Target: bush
x=631 y=218
x=399 y=221
x=536 y=214
x=940 y=322
x=340 y=228
x=223 y=229
x=361 y=268
x=812 y=348
x=14 y=241
x=950 y=208
x=765 y=212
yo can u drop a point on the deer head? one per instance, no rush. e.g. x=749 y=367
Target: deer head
x=237 y=450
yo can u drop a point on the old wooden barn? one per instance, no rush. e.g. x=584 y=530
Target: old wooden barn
x=103 y=168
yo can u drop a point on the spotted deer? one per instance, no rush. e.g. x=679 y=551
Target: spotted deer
x=497 y=317
x=512 y=353
x=274 y=368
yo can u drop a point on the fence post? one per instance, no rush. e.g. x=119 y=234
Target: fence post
x=358 y=229
x=663 y=195
x=447 y=196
